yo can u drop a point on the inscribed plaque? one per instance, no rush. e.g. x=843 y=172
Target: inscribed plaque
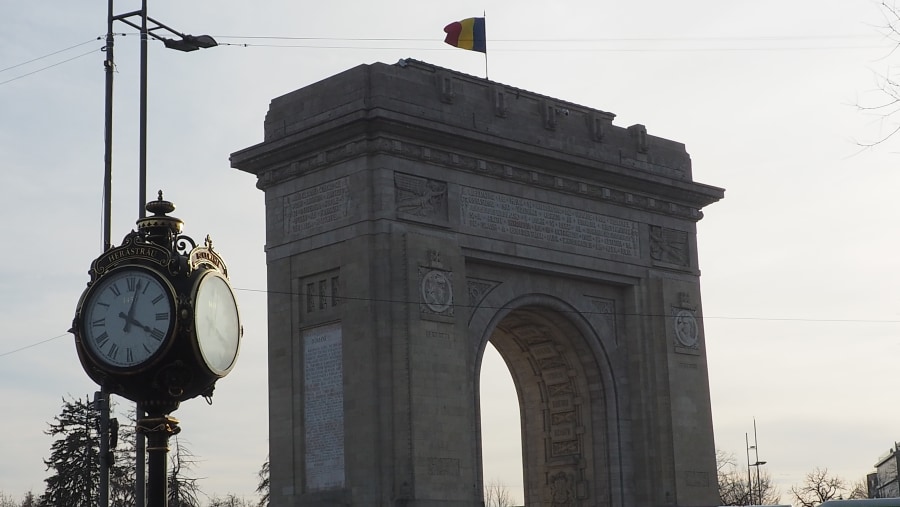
x=315 y=207
x=323 y=375
x=532 y=220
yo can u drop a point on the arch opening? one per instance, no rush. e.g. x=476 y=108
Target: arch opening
x=501 y=436
x=559 y=389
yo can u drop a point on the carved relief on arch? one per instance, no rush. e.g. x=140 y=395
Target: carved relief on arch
x=558 y=407
x=561 y=489
x=417 y=197
x=478 y=290
x=436 y=292
x=669 y=246
x=605 y=318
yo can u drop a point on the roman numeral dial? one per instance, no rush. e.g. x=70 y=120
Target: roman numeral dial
x=128 y=316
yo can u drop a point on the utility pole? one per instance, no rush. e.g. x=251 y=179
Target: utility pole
x=101 y=404
x=756 y=451
x=749 y=479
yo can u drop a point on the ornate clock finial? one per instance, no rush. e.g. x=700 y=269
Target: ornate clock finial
x=160 y=206
x=160 y=228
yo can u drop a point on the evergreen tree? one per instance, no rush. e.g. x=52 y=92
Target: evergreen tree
x=74 y=456
x=7 y=500
x=122 y=461
x=30 y=500
x=263 y=487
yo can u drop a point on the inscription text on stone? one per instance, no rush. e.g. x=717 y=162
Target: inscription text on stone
x=315 y=207
x=324 y=407
x=567 y=227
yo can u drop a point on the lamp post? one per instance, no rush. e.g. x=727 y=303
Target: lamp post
x=757 y=465
x=758 y=487
x=749 y=479
x=181 y=42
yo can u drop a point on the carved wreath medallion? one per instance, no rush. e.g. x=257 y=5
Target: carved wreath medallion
x=686 y=329
x=437 y=291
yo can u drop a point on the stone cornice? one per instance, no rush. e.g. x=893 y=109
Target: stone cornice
x=277 y=161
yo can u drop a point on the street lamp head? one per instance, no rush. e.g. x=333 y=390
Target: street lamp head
x=190 y=42
x=201 y=41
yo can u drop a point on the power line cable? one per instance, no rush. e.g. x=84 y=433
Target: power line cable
x=35 y=344
x=616 y=314
x=600 y=39
x=777 y=38
x=495 y=49
x=48 y=67
x=50 y=54
x=559 y=50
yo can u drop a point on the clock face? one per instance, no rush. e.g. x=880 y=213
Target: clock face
x=217 y=323
x=127 y=317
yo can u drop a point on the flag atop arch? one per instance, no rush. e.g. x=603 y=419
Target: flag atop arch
x=467 y=34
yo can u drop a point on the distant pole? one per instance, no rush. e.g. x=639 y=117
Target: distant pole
x=749 y=479
x=756 y=450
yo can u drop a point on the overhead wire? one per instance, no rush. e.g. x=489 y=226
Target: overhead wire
x=48 y=67
x=498 y=308
x=617 y=313
x=501 y=42
x=50 y=54
x=35 y=344
x=558 y=41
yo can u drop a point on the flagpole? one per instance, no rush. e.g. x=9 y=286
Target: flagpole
x=484 y=14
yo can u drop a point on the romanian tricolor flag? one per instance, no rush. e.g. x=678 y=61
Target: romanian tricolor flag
x=467 y=34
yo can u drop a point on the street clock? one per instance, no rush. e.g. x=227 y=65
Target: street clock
x=158 y=322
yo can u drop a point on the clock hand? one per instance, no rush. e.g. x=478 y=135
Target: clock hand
x=137 y=290
x=215 y=328
x=132 y=320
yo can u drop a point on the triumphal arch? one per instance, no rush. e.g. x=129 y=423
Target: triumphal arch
x=414 y=214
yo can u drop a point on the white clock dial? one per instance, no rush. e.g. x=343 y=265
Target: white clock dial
x=127 y=317
x=217 y=323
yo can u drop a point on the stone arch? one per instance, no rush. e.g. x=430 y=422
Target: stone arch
x=388 y=201
x=567 y=396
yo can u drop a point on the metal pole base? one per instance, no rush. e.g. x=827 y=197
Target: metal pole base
x=158 y=428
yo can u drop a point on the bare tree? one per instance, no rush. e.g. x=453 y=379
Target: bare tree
x=183 y=490
x=858 y=490
x=887 y=84
x=819 y=486
x=229 y=500
x=736 y=487
x=497 y=495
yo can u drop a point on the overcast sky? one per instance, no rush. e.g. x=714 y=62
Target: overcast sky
x=799 y=261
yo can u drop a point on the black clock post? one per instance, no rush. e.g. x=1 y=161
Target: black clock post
x=158 y=324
